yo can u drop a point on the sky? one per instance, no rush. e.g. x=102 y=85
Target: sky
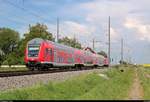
x=87 y=20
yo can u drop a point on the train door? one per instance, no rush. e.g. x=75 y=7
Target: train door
x=55 y=56
x=48 y=54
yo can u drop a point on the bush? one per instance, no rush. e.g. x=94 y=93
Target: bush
x=20 y=60
x=2 y=58
x=5 y=62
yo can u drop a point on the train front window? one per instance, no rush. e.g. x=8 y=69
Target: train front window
x=33 y=51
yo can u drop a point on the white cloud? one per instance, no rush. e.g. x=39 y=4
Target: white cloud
x=142 y=30
x=74 y=27
x=71 y=29
x=98 y=10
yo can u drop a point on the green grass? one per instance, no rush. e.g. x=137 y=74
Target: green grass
x=115 y=88
x=13 y=69
x=144 y=74
x=85 y=86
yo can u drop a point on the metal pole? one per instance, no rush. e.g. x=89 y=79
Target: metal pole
x=121 y=50
x=75 y=41
x=57 y=30
x=109 y=41
x=93 y=44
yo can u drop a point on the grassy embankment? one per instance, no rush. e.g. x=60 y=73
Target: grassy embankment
x=2 y=69
x=144 y=74
x=85 y=86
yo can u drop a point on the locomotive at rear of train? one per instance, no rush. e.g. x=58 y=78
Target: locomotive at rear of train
x=41 y=54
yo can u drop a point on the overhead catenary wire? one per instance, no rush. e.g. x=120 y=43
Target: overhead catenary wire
x=31 y=12
x=12 y=20
x=16 y=20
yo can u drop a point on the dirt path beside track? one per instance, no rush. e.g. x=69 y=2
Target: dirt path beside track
x=136 y=91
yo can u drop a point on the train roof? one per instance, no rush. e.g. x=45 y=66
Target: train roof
x=38 y=41
x=61 y=45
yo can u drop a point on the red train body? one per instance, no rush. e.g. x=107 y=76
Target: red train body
x=41 y=53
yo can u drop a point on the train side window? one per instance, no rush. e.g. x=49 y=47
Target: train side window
x=46 y=50
x=50 y=51
x=62 y=59
x=58 y=59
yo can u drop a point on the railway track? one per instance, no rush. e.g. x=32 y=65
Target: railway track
x=21 y=73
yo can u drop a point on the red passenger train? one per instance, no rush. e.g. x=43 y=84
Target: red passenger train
x=41 y=54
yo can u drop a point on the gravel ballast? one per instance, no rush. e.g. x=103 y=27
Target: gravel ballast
x=9 y=83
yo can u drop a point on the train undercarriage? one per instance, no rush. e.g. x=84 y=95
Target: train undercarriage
x=47 y=66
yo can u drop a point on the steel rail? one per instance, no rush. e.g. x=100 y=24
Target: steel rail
x=22 y=73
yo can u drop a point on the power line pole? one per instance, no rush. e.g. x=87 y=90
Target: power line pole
x=109 y=41
x=75 y=41
x=57 y=30
x=121 y=49
x=93 y=43
x=130 y=60
x=74 y=37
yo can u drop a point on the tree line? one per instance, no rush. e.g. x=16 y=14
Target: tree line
x=12 y=46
